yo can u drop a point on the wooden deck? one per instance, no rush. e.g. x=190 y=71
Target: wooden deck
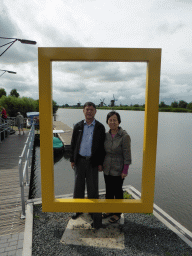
x=66 y=136
x=10 y=191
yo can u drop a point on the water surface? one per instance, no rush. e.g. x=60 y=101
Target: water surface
x=173 y=166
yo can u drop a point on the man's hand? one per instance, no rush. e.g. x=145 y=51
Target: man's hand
x=123 y=175
x=100 y=168
x=72 y=165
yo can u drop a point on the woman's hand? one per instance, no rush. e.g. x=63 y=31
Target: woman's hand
x=100 y=168
x=123 y=175
x=72 y=165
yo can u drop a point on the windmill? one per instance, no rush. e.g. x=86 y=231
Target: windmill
x=102 y=103
x=79 y=104
x=113 y=101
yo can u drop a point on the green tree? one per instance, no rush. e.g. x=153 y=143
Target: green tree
x=174 y=104
x=55 y=106
x=13 y=105
x=182 y=104
x=2 y=92
x=14 y=93
x=189 y=106
x=162 y=104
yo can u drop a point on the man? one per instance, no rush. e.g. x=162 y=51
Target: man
x=19 y=122
x=87 y=154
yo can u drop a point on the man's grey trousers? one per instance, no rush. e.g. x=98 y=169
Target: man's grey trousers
x=85 y=174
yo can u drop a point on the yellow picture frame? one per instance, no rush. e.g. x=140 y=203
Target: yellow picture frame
x=152 y=56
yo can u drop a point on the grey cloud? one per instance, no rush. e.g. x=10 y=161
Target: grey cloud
x=170 y=28
x=112 y=75
x=114 y=72
x=16 y=55
x=164 y=88
x=184 y=78
x=17 y=52
x=168 y=100
x=86 y=67
x=164 y=85
x=104 y=75
x=103 y=71
x=71 y=88
x=20 y=86
x=176 y=88
x=183 y=1
x=7 y=26
x=186 y=54
x=55 y=37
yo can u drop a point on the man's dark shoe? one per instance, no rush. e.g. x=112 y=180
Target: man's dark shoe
x=76 y=215
x=91 y=214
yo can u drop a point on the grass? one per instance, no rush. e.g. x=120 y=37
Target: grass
x=150 y=214
x=126 y=195
x=169 y=254
x=36 y=216
x=140 y=108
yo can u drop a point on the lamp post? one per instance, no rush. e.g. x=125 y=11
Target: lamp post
x=23 y=41
x=11 y=72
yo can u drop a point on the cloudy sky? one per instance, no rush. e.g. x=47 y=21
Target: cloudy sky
x=165 y=24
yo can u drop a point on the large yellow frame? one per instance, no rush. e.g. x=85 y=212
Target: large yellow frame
x=153 y=59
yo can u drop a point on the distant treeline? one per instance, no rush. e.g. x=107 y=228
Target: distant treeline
x=181 y=106
x=14 y=104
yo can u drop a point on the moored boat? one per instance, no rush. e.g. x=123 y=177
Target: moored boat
x=57 y=144
x=33 y=117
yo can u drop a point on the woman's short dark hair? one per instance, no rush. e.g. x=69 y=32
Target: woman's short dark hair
x=111 y=114
x=89 y=104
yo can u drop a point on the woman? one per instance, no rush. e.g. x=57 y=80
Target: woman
x=117 y=160
x=4 y=114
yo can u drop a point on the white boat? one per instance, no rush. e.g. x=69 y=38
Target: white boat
x=33 y=117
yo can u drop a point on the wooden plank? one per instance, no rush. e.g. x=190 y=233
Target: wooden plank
x=66 y=136
x=10 y=192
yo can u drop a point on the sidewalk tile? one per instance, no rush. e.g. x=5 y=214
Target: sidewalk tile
x=4 y=245
x=4 y=254
x=13 y=243
x=11 y=248
x=3 y=241
x=21 y=235
x=20 y=244
x=2 y=250
x=19 y=252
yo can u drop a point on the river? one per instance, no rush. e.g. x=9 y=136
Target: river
x=173 y=183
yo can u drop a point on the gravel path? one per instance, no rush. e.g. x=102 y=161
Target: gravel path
x=144 y=235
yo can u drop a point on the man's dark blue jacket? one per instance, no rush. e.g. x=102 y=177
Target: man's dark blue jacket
x=97 y=150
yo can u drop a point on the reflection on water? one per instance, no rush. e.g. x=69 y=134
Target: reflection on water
x=63 y=175
x=173 y=168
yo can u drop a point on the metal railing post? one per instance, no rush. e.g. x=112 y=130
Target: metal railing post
x=22 y=187
x=4 y=129
x=24 y=164
x=0 y=129
x=26 y=161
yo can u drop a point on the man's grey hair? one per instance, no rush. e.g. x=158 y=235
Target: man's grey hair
x=89 y=104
